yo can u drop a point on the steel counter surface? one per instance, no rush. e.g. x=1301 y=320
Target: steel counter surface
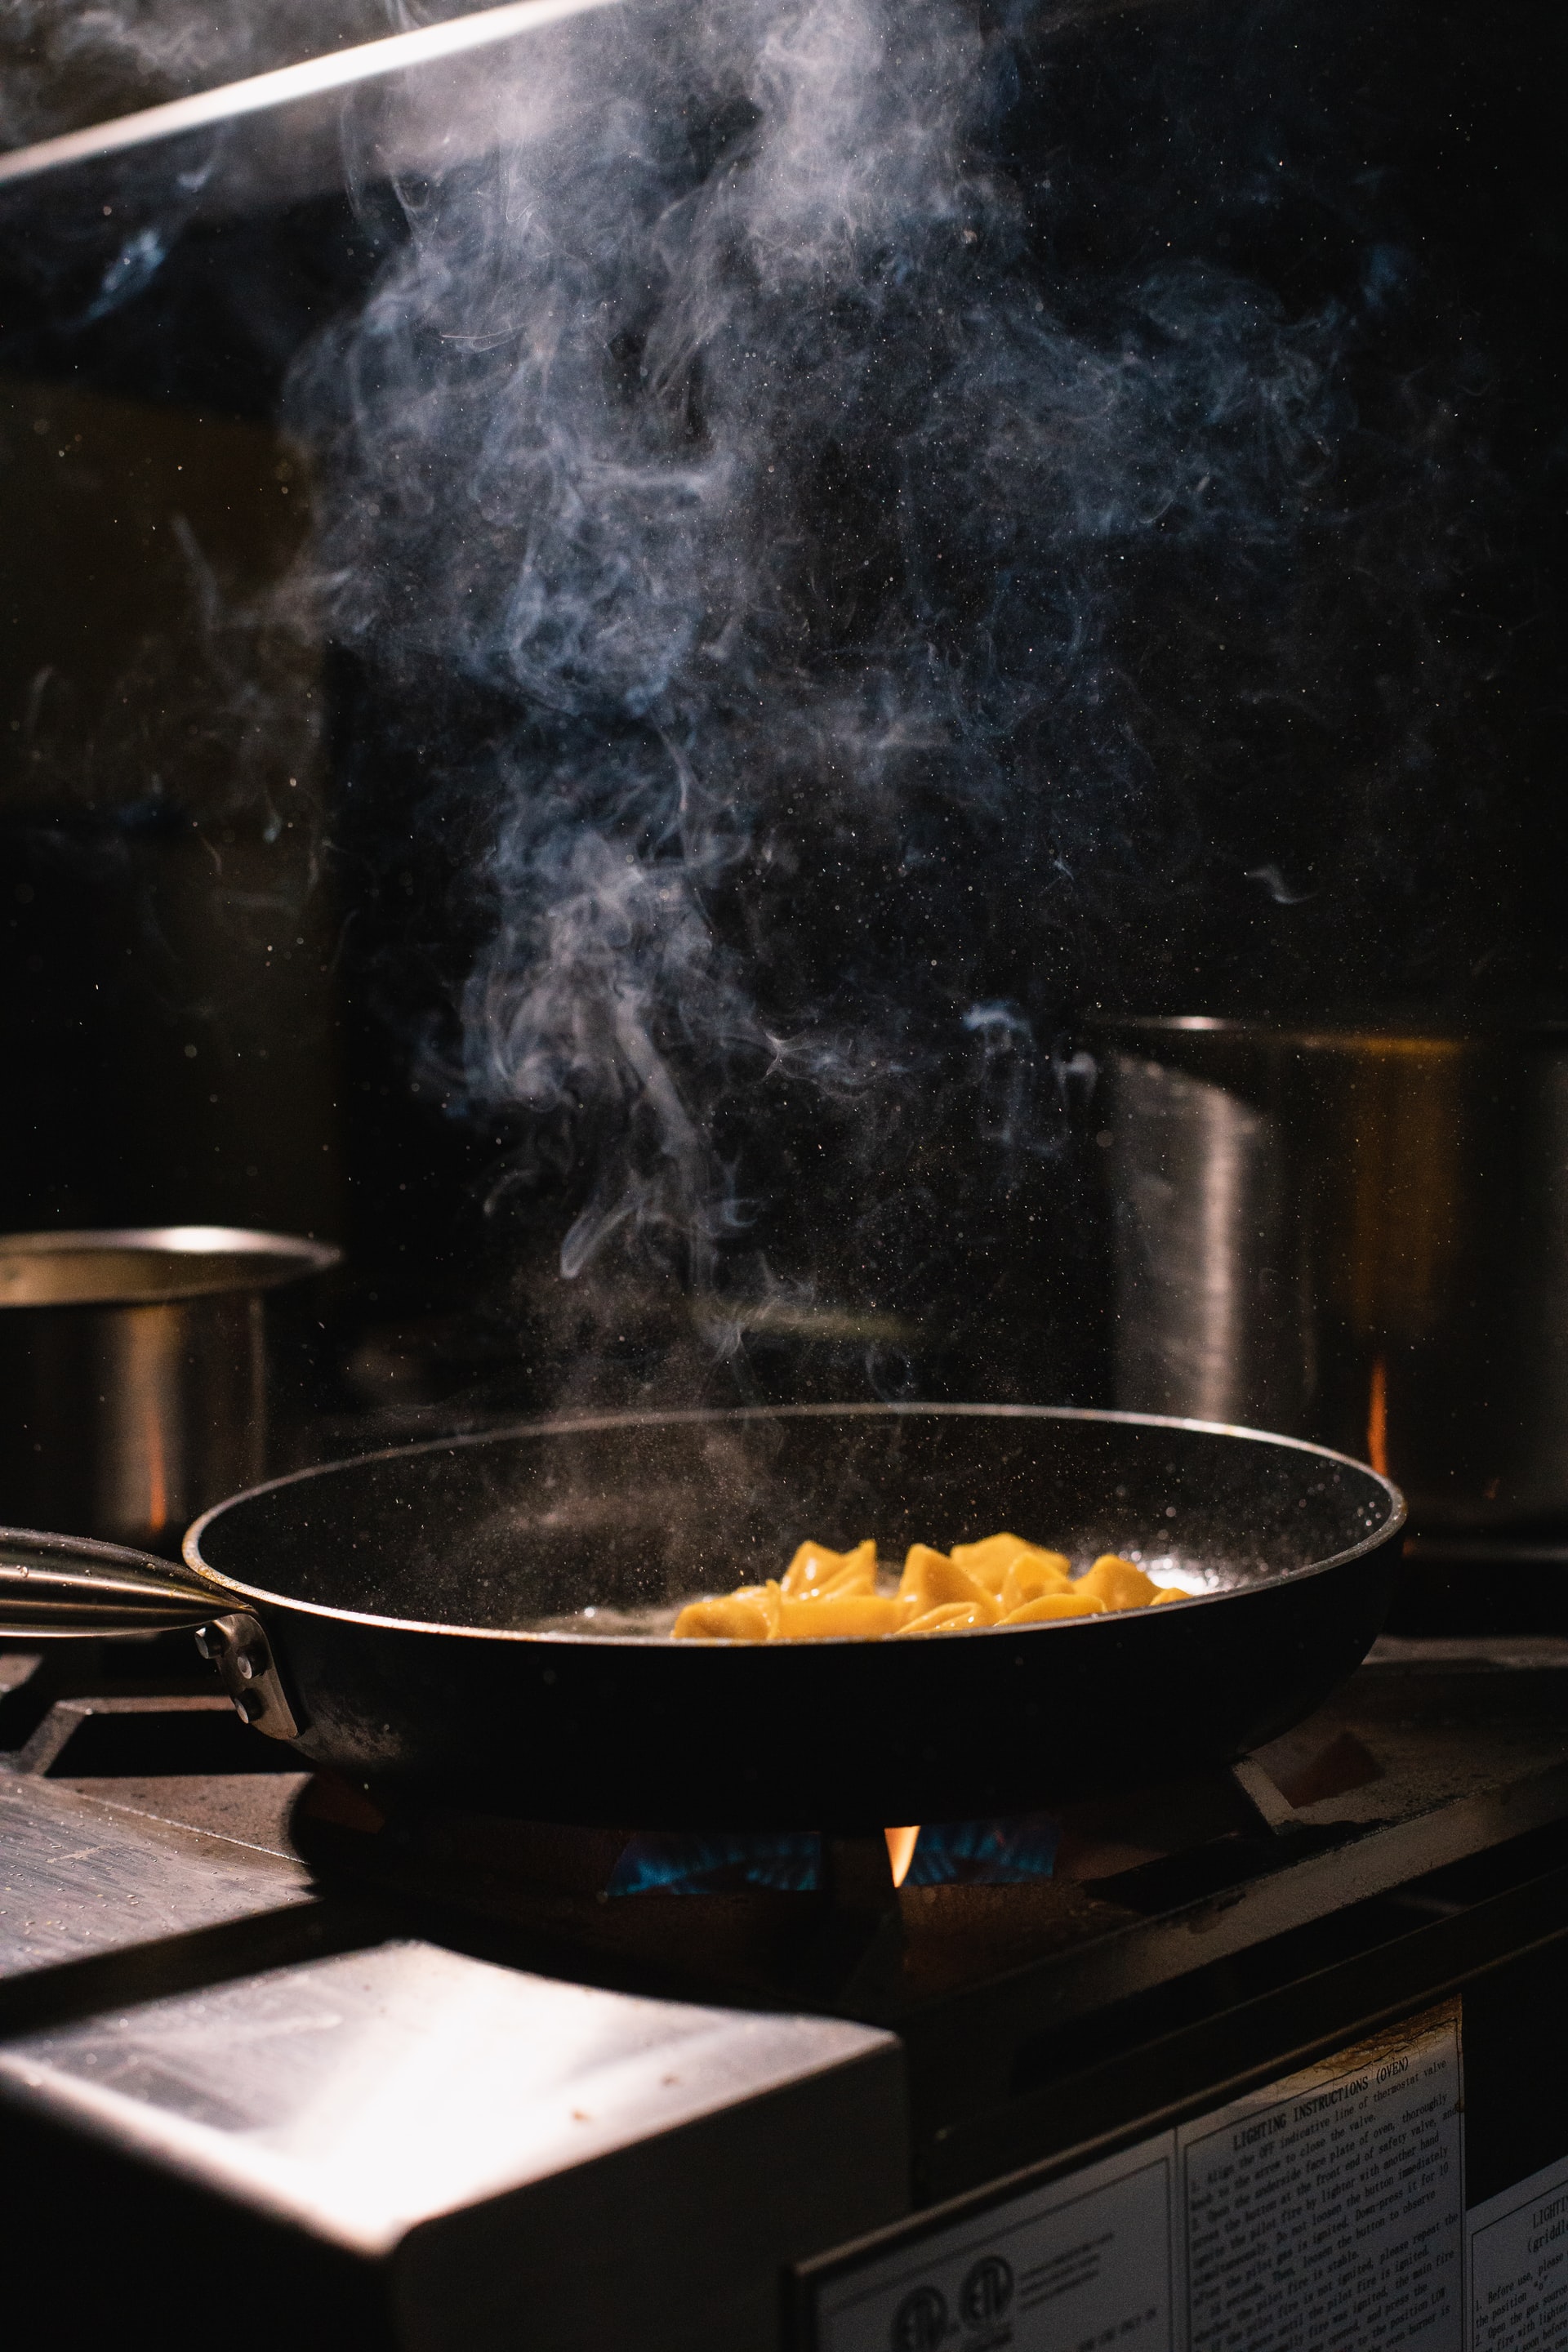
x=81 y=1882
x=502 y=2140
x=363 y=2091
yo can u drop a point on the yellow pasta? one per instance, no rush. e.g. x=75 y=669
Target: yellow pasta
x=1118 y=1584
x=750 y=1614
x=933 y=1580
x=1032 y=1576
x=1071 y=1603
x=950 y=1617
x=816 y=1572
x=1002 y=1559
x=826 y=1595
x=851 y=1616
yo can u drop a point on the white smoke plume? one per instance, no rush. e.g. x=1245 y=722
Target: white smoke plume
x=731 y=428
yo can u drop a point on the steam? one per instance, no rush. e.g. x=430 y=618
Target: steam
x=806 y=533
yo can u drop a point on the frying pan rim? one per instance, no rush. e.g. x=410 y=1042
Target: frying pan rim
x=659 y=1418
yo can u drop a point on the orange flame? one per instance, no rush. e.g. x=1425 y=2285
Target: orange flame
x=900 y=1851
x=1377 y=1418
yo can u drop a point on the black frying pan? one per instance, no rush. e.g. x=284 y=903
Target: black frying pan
x=417 y=1613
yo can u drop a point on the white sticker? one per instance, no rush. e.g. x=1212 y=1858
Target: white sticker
x=1327 y=2210
x=1518 y=2266
x=1322 y=2213
x=1081 y=2265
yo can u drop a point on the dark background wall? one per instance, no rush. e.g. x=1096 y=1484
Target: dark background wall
x=236 y=901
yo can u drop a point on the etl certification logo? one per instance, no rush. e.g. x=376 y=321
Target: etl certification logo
x=922 y=2322
x=987 y=2292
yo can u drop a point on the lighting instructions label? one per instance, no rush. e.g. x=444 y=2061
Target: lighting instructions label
x=1327 y=2211
x=1518 y=2266
x=1324 y=2213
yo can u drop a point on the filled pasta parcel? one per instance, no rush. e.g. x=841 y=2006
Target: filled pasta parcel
x=827 y=1595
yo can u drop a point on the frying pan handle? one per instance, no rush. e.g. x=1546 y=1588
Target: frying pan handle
x=243 y=1656
x=65 y=1584
x=55 y=1585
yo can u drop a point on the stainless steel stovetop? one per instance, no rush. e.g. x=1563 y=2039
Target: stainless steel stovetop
x=343 y=2062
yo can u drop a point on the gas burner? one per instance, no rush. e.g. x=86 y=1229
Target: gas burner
x=963 y=1854
x=1436 y=1750
x=389 y=1830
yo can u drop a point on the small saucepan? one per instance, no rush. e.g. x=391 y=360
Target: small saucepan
x=133 y=1372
